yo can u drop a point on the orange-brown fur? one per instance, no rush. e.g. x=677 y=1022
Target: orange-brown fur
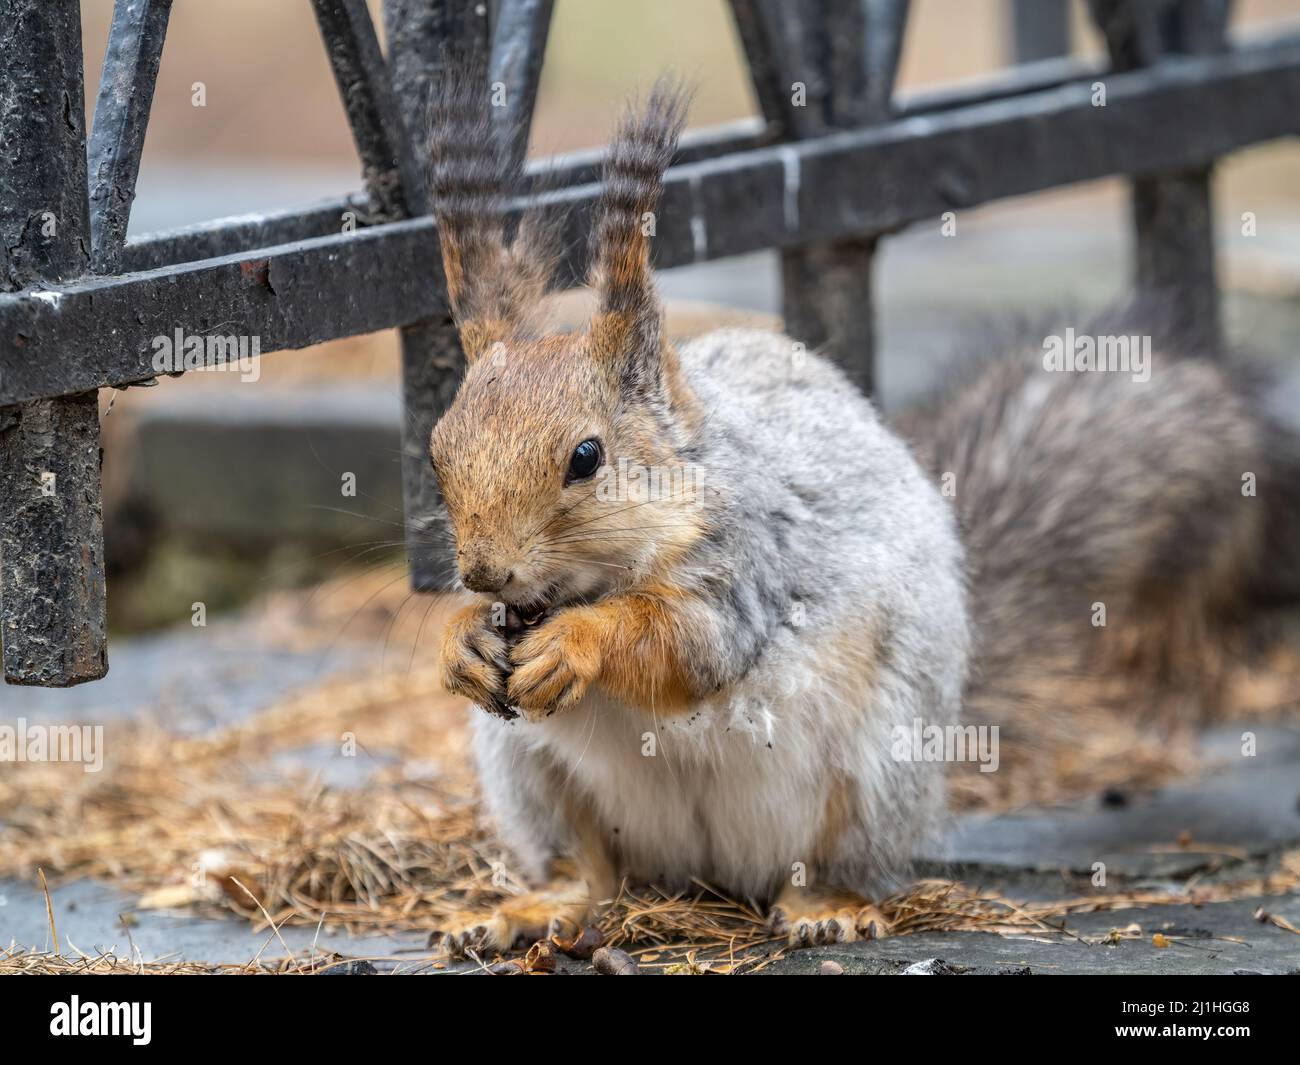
x=627 y=643
x=516 y=517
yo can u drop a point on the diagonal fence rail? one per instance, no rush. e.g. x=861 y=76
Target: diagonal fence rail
x=836 y=162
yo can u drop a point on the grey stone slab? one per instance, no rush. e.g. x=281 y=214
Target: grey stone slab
x=1217 y=939
x=1251 y=805
x=88 y=917
x=1204 y=946
x=193 y=678
x=201 y=678
x=322 y=762
x=202 y=463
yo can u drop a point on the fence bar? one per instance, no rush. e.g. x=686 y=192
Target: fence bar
x=52 y=604
x=1173 y=217
x=1176 y=116
x=245 y=233
x=1040 y=29
x=518 y=47
x=393 y=178
x=422 y=35
x=126 y=84
x=1173 y=214
x=767 y=61
x=241 y=234
x=817 y=68
x=787 y=63
x=1198 y=27
x=864 y=62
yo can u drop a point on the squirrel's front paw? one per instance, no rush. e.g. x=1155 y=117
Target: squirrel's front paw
x=473 y=661
x=553 y=665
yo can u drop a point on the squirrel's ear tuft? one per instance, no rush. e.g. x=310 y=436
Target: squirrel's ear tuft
x=643 y=145
x=494 y=281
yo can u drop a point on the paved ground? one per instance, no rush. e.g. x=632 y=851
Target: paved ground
x=1222 y=938
x=1249 y=805
x=1202 y=942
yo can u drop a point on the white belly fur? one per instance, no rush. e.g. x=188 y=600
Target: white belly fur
x=735 y=792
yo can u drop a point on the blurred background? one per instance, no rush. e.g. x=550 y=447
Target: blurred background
x=192 y=513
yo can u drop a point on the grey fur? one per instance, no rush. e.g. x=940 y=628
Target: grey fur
x=813 y=503
x=1075 y=489
x=1071 y=487
x=828 y=591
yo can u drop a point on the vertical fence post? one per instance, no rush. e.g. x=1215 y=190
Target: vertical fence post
x=52 y=600
x=394 y=180
x=1173 y=215
x=419 y=33
x=421 y=36
x=818 y=67
x=1040 y=29
x=518 y=47
x=135 y=44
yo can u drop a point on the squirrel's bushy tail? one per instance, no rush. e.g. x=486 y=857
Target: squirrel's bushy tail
x=1117 y=532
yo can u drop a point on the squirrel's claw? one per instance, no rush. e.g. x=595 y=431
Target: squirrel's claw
x=810 y=918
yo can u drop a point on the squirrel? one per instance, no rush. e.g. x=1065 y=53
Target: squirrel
x=712 y=584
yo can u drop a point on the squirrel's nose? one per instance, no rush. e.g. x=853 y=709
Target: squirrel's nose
x=483 y=577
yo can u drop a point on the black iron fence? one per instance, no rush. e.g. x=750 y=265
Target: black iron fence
x=835 y=163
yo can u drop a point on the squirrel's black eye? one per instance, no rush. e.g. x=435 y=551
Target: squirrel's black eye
x=584 y=462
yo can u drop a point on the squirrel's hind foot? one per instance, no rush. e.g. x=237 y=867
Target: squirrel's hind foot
x=811 y=917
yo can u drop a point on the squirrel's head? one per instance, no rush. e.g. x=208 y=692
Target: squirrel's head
x=564 y=459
